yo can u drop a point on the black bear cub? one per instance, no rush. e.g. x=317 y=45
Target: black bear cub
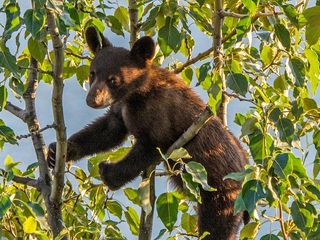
x=156 y=107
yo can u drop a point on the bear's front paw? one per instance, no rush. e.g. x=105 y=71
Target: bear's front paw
x=108 y=175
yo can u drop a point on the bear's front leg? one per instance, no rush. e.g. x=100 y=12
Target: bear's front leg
x=138 y=159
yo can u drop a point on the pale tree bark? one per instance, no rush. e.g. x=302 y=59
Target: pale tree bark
x=51 y=189
x=218 y=58
x=61 y=136
x=146 y=219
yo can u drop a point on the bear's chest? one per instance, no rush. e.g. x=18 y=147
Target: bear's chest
x=142 y=123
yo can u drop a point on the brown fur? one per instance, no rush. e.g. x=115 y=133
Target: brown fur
x=156 y=107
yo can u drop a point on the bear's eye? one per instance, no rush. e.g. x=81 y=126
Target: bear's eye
x=91 y=77
x=113 y=80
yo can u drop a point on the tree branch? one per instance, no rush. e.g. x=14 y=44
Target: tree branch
x=36 y=132
x=192 y=131
x=207 y=53
x=77 y=55
x=55 y=200
x=33 y=124
x=218 y=57
x=26 y=181
x=133 y=14
x=37 y=69
x=57 y=108
x=16 y=111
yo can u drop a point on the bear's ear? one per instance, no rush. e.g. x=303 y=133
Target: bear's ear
x=144 y=48
x=95 y=40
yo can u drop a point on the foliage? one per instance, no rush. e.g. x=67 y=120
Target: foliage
x=271 y=62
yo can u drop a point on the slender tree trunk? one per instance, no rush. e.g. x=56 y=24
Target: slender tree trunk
x=218 y=59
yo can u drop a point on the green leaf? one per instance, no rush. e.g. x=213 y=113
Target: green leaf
x=283 y=35
x=314 y=70
x=203 y=72
x=169 y=37
x=189 y=223
x=250 y=5
x=297 y=71
x=5 y=205
x=132 y=195
x=82 y=73
x=16 y=86
x=30 y=225
x=238 y=83
x=252 y=192
x=8 y=61
x=309 y=104
x=286 y=130
x=133 y=220
x=167 y=207
x=250 y=230
x=114 y=208
x=280 y=83
x=312 y=16
x=179 y=153
x=13 y=20
x=238 y=176
x=301 y=216
x=191 y=186
x=267 y=55
x=239 y=205
x=187 y=75
x=37 y=50
x=121 y=13
x=283 y=165
x=115 y=25
x=9 y=164
x=3 y=97
x=34 y=20
x=291 y=13
x=269 y=237
x=260 y=145
x=199 y=174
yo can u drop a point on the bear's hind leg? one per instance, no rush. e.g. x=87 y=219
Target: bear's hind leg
x=216 y=216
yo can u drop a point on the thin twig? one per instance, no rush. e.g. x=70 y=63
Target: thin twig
x=258 y=14
x=218 y=57
x=283 y=230
x=37 y=69
x=233 y=95
x=26 y=181
x=192 y=131
x=16 y=111
x=33 y=133
x=77 y=55
x=54 y=201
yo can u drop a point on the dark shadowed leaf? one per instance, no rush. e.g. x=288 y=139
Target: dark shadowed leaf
x=286 y=130
x=238 y=83
x=252 y=192
x=283 y=35
x=283 y=165
x=34 y=20
x=5 y=204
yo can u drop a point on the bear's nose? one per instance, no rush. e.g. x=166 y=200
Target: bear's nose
x=91 y=102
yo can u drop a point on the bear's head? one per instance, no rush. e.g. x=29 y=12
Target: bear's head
x=114 y=71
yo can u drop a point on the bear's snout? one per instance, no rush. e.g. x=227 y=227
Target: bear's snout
x=98 y=96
